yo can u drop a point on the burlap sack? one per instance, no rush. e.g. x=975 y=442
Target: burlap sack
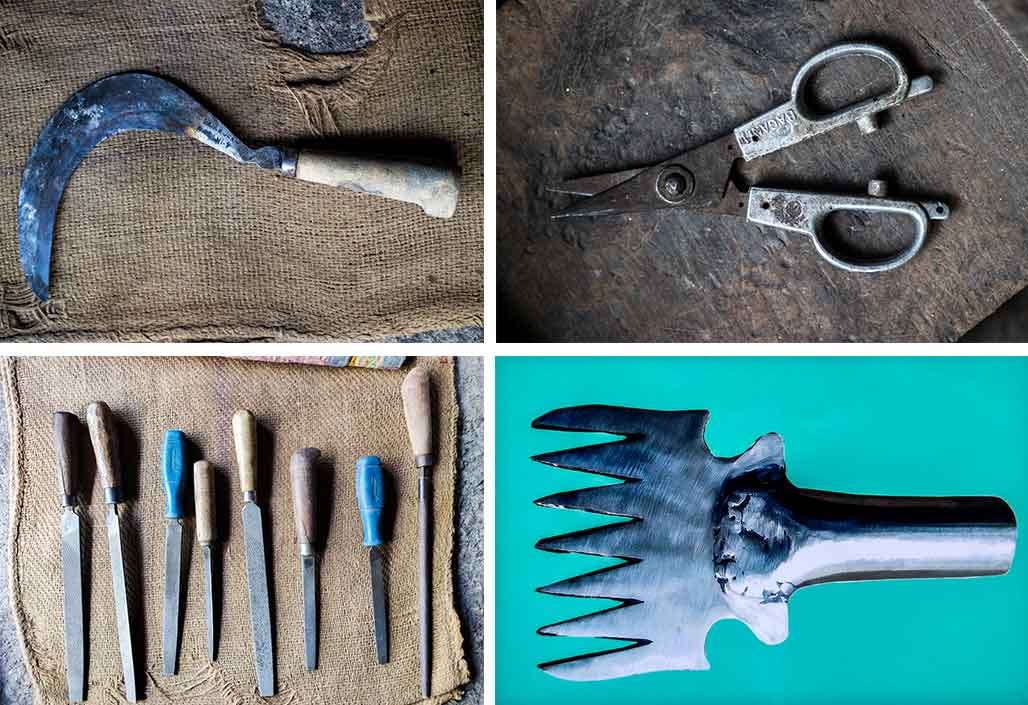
x=160 y=238
x=345 y=413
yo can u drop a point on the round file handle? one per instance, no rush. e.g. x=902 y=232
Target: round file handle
x=303 y=474
x=173 y=472
x=105 y=447
x=203 y=496
x=417 y=407
x=244 y=432
x=66 y=434
x=371 y=497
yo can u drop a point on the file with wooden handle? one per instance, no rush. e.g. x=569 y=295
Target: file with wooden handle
x=244 y=433
x=206 y=533
x=303 y=474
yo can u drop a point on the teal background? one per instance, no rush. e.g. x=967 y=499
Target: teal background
x=929 y=426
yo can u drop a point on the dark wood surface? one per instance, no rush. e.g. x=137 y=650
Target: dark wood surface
x=597 y=85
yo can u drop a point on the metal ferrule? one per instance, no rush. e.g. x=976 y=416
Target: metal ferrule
x=68 y=500
x=112 y=495
x=289 y=157
x=250 y=496
x=306 y=549
x=423 y=461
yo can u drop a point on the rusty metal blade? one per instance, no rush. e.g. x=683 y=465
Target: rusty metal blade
x=113 y=105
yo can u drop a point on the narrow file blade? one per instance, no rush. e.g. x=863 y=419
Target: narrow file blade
x=208 y=601
x=260 y=617
x=172 y=593
x=128 y=665
x=310 y=613
x=74 y=636
x=378 y=604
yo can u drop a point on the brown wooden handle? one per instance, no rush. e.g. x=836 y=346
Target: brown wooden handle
x=244 y=432
x=432 y=187
x=303 y=473
x=66 y=436
x=203 y=497
x=105 y=445
x=417 y=407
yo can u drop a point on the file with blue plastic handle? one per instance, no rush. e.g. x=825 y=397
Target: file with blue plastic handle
x=173 y=474
x=372 y=496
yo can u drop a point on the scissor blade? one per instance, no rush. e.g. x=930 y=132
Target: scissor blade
x=703 y=174
x=208 y=601
x=310 y=613
x=260 y=614
x=172 y=594
x=74 y=636
x=121 y=103
x=592 y=185
x=128 y=665
x=378 y=605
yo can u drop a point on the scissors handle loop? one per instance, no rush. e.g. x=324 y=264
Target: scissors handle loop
x=794 y=121
x=805 y=212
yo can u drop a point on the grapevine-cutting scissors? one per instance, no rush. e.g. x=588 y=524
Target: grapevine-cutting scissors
x=701 y=178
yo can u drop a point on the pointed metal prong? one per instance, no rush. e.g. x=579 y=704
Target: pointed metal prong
x=600 y=665
x=618 y=622
x=621 y=540
x=623 y=459
x=622 y=500
x=920 y=86
x=620 y=420
x=616 y=582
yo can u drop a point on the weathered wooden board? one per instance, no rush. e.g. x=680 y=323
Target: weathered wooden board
x=596 y=85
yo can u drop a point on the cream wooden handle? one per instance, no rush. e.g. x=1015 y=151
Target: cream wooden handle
x=105 y=444
x=203 y=497
x=244 y=432
x=432 y=187
x=417 y=407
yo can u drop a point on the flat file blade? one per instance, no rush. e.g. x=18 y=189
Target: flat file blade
x=74 y=636
x=378 y=604
x=172 y=593
x=260 y=617
x=128 y=665
x=208 y=600
x=310 y=612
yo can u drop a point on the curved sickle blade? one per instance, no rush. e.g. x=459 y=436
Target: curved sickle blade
x=120 y=103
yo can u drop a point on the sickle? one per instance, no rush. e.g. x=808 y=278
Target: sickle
x=142 y=102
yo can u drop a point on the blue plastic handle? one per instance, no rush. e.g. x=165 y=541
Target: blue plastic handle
x=174 y=471
x=371 y=497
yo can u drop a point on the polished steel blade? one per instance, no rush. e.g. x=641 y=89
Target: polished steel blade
x=113 y=105
x=172 y=593
x=74 y=636
x=378 y=604
x=128 y=665
x=260 y=616
x=310 y=612
x=208 y=600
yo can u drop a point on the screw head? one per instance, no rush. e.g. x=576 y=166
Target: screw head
x=878 y=188
x=675 y=184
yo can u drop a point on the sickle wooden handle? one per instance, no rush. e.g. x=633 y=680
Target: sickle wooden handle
x=66 y=431
x=303 y=473
x=434 y=188
x=105 y=444
x=417 y=407
x=203 y=498
x=244 y=432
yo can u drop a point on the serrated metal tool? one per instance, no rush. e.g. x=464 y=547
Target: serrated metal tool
x=711 y=538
